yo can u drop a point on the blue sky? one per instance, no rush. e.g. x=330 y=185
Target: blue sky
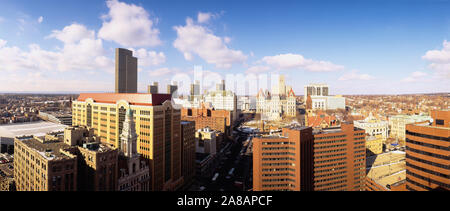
x=357 y=47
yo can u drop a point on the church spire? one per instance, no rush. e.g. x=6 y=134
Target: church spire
x=129 y=137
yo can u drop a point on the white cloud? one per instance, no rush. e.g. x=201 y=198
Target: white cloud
x=80 y=52
x=129 y=25
x=2 y=19
x=415 y=76
x=296 y=61
x=354 y=75
x=164 y=72
x=40 y=19
x=440 y=60
x=2 y=43
x=149 y=58
x=204 y=17
x=73 y=33
x=199 y=40
x=258 y=69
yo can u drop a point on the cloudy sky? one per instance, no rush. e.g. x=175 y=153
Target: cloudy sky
x=357 y=47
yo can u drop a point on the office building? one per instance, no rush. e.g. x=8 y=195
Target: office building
x=157 y=125
x=320 y=100
x=219 y=120
x=153 y=89
x=44 y=164
x=97 y=162
x=428 y=154
x=126 y=71
x=195 y=89
x=172 y=89
x=331 y=159
x=188 y=156
x=222 y=99
x=397 y=125
x=205 y=141
x=373 y=126
x=374 y=144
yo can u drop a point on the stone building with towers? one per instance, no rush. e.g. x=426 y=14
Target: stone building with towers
x=134 y=172
x=279 y=103
x=275 y=107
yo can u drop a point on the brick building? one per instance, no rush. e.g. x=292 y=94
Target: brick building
x=157 y=125
x=306 y=159
x=428 y=154
x=219 y=120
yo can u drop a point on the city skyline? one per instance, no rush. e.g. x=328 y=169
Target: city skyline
x=355 y=47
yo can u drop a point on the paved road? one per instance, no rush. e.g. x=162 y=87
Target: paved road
x=233 y=159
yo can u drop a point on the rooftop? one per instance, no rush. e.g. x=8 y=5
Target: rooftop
x=39 y=128
x=49 y=150
x=132 y=98
x=387 y=168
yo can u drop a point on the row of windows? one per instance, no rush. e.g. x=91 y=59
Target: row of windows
x=329 y=165
x=331 y=183
x=360 y=151
x=428 y=162
x=329 y=137
x=279 y=180
x=278 y=153
x=330 y=151
x=331 y=146
x=328 y=161
x=428 y=171
x=278 y=164
x=273 y=159
x=329 y=142
x=427 y=153
x=331 y=174
x=334 y=188
x=329 y=156
x=416 y=184
x=427 y=179
x=360 y=142
x=428 y=136
x=333 y=169
x=278 y=175
x=359 y=147
x=277 y=143
x=427 y=144
x=278 y=185
x=279 y=169
x=278 y=148
x=145 y=113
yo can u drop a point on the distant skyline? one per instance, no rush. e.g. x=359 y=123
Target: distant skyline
x=356 y=47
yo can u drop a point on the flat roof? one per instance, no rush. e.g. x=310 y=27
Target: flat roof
x=41 y=148
x=39 y=128
x=387 y=168
x=132 y=98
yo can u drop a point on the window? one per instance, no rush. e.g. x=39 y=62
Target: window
x=439 y=122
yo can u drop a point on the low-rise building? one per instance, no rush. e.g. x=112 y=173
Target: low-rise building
x=373 y=126
x=374 y=144
x=44 y=164
x=398 y=124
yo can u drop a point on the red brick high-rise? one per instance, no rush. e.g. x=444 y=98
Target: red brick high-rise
x=428 y=154
x=304 y=160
